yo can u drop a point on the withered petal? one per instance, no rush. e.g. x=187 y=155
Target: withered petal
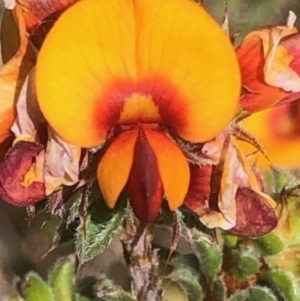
x=255 y=216
x=197 y=198
x=292 y=45
x=40 y=16
x=12 y=172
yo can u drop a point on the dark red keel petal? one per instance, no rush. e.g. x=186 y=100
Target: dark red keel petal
x=254 y=214
x=144 y=186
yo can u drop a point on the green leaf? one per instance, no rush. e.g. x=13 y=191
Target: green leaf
x=230 y=240
x=118 y=296
x=261 y=293
x=219 y=290
x=210 y=257
x=245 y=262
x=107 y=290
x=269 y=244
x=96 y=236
x=255 y=293
x=34 y=288
x=283 y=179
x=61 y=279
x=282 y=283
x=188 y=280
x=96 y=231
x=173 y=292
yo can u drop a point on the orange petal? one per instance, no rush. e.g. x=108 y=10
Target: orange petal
x=115 y=165
x=154 y=49
x=258 y=95
x=278 y=131
x=85 y=68
x=266 y=74
x=12 y=77
x=186 y=61
x=173 y=167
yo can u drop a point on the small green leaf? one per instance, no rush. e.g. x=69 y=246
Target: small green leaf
x=240 y=296
x=255 y=293
x=219 y=290
x=98 y=227
x=94 y=237
x=245 y=262
x=269 y=244
x=118 y=296
x=230 y=240
x=34 y=288
x=173 y=292
x=282 y=283
x=261 y=293
x=188 y=280
x=61 y=279
x=283 y=179
x=210 y=257
x=107 y=290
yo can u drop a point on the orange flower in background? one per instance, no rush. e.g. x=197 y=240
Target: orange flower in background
x=270 y=66
x=277 y=130
x=135 y=75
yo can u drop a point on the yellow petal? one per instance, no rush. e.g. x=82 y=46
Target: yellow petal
x=187 y=61
x=115 y=166
x=82 y=67
x=100 y=53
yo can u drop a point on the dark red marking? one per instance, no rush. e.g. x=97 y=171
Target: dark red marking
x=144 y=186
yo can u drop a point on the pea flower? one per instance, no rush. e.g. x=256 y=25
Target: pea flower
x=134 y=77
x=269 y=61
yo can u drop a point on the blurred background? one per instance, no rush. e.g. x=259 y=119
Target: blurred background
x=22 y=246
